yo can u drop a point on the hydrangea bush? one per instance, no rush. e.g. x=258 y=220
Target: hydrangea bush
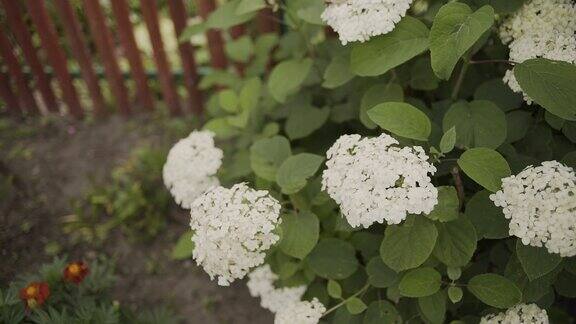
x=388 y=161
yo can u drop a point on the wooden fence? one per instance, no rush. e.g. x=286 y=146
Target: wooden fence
x=34 y=49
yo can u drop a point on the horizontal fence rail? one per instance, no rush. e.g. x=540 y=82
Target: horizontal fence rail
x=55 y=54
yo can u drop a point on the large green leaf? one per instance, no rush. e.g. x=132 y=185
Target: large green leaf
x=378 y=94
x=498 y=92
x=495 y=290
x=478 y=124
x=433 y=307
x=300 y=233
x=402 y=119
x=552 y=84
x=287 y=77
x=379 y=274
x=333 y=259
x=225 y=16
x=420 y=282
x=488 y=219
x=337 y=72
x=456 y=242
x=250 y=94
x=485 y=166
x=455 y=29
x=248 y=6
x=267 y=154
x=304 y=120
x=381 y=311
x=240 y=50
x=377 y=56
x=295 y=171
x=408 y=245
x=536 y=261
x=448 y=205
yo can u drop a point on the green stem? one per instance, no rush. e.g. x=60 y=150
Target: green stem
x=363 y=289
x=460 y=79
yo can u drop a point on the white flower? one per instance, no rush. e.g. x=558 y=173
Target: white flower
x=541 y=28
x=261 y=284
x=519 y=314
x=191 y=166
x=373 y=179
x=541 y=205
x=358 y=20
x=303 y=312
x=284 y=302
x=232 y=230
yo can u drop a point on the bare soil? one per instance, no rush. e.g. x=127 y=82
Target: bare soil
x=54 y=163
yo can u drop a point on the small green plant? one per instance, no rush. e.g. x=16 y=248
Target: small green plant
x=71 y=292
x=134 y=201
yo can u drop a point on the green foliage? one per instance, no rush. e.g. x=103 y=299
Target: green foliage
x=90 y=301
x=135 y=201
x=454 y=31
x=452 y=265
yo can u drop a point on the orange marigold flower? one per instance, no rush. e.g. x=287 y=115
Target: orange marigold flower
x=76 y=272
x=35 y=294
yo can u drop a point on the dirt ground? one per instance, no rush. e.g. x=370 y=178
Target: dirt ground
x=54 y=163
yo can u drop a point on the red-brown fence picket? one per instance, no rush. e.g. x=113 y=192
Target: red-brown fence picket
x=41 y=37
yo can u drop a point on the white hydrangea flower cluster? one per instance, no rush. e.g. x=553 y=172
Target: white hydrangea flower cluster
x=302 y=312
x=541 y=205
x=373 y=179
x=191 y=167
x=286 y=302
x=358 y=20
x=232 y=230
x=519 y=314
x=540 y=29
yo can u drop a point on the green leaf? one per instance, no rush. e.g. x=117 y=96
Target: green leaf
x=248 y=6
x=334 y=289
x=421 y=75
x=498 y=92
x=250 y=94
x=552 y=84
x=478 y=124
x=485 y=166
x=502 y=7
x=379 y=274
x=225 y=16
x=448 y=205
x=239 y=50
x=455 y=294
x=448 y=140
x=488 y=219
x=402 y=119
x=184 y=247
x=222 y=128
x=267 y=154
x=337 y=72
x=228 y=100
x=333 y=259
x=455 y=29
x=287 y=77
x=190 y=31
x=495 y=290
x=295 y=171
x=433 y=307
x=304 y=120
x=381 y=311
x=299 y=233
x=420 y=282
x=536 y=261
x=355 y=305
x=518 y=123
x=378 y=94
x=408 y=245
x=456 y=242
x=380 y=54
x=311 y=13
x=453 y=273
